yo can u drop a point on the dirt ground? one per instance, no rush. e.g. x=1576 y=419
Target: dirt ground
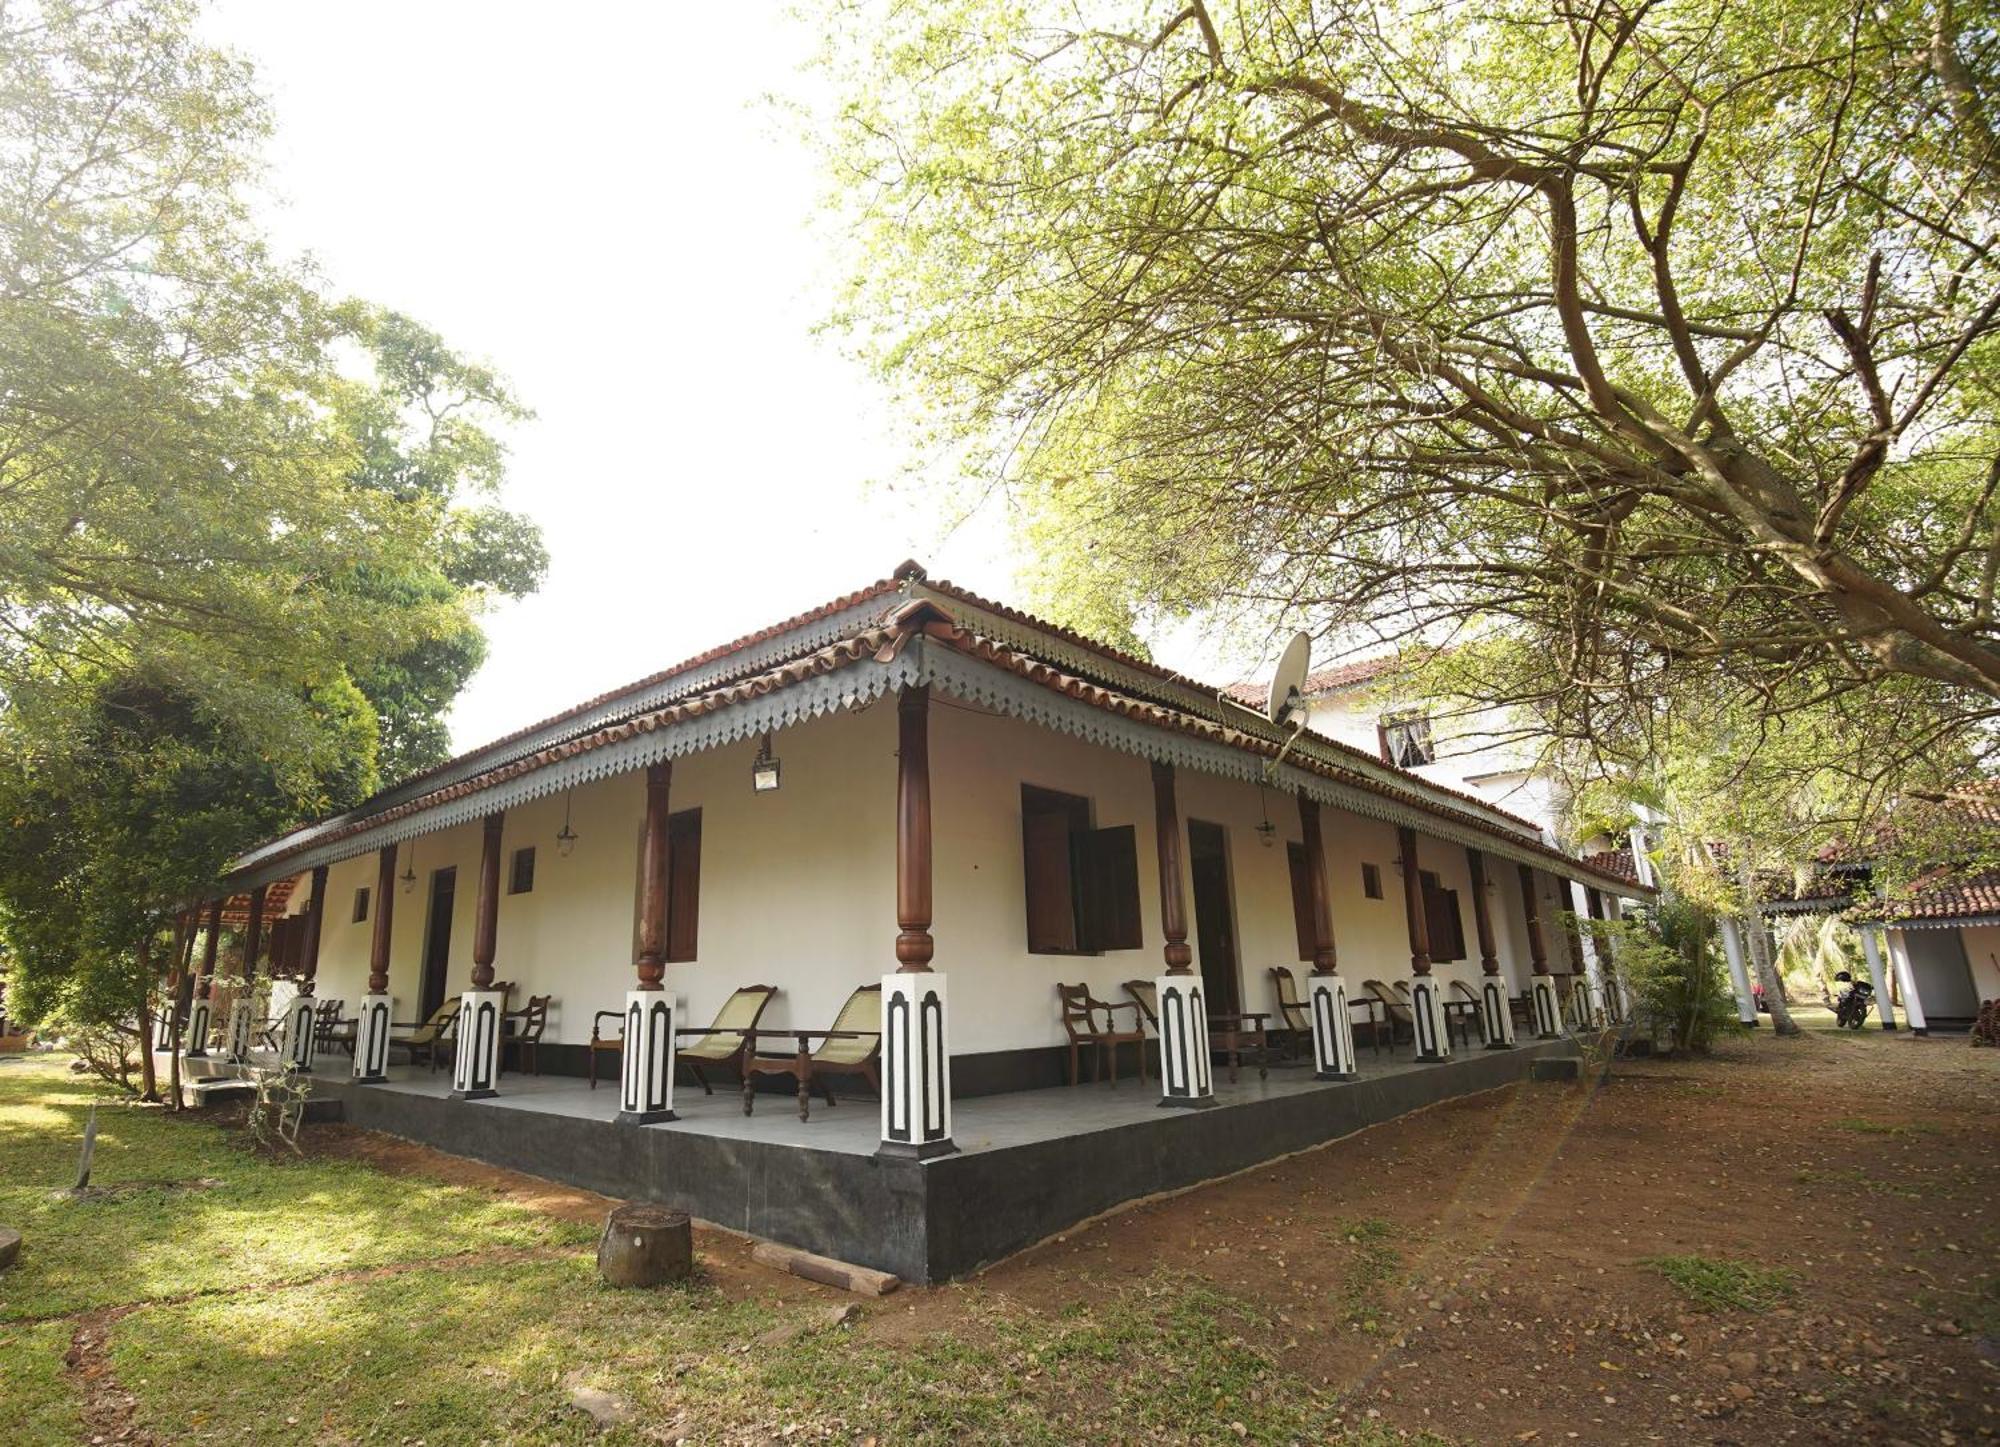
x=1480 y=1270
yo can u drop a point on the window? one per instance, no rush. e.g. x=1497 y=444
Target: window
x=1406 y=739
x=683 y=884
x=1082 y=883
x=1302 y=899
x=360 y=905
x=1371 y=881
x=522 y=879
x=1441 y=919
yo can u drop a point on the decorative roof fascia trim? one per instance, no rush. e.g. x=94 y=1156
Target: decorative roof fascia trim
x=854 y=685
x=978 y=682
x=1042 y=643
x=767 y=653
x=1969 y=921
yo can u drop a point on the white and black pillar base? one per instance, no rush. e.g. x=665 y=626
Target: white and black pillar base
x=1427 y=1019
x=1494 y=1015
x=1333 y=1031
x=300 y=1025
x=239 y=1033
x=916 y=1067
x=646 y=1084
x=371 y=1041
x=1548 y=1007
x=1582 y=1008
x=1185 y=1075
x=475 y=1060
x=194 y=1044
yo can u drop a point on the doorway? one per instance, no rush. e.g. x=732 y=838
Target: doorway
x=437 y=940
x=1214 y=916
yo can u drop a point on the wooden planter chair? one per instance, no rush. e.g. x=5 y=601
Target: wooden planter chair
x=1292 y=1010
x=1146 y=995
x=429 y=1035
x=1092 y=1024
x=600 y=1043
x=1401 y=1022
x=527 y=1039
x=851 y=1047
x=728 y=1039
x=329 y=1029
x=1476 y=1015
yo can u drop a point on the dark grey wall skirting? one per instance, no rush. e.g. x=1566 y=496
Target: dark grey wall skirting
x=924 y=1220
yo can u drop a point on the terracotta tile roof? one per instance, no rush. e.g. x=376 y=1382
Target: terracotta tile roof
x=1325 y=680
x=1940 y=895
x=236 y=909
x=926 y=617
x=1614 y=861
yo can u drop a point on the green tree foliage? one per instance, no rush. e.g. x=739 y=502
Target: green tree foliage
x=246 y=527
x=141 y=811
x=1657 y=339
x=192 y=487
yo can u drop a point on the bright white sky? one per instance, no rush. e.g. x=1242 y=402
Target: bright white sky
x=595 y=200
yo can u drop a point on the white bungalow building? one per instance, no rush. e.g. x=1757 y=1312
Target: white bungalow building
x=914 y=789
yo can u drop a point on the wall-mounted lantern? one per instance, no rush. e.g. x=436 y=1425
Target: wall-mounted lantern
x=764 y=774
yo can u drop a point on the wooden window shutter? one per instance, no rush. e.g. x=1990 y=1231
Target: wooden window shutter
x=1302 y=902
x=1045 y=853
x=683 y=884
x=1110 y=895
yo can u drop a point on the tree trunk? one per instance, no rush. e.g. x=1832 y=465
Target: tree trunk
x=1760 y=954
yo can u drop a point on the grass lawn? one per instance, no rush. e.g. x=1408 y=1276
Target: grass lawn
x=322 y=1300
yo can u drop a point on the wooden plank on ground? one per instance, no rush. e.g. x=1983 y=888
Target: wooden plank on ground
x=825 y=1270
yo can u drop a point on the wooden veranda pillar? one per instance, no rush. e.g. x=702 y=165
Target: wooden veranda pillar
x=475 y=1061
x=1185 y=1076
x=916 y=1058
x=241 y=1010
x=652 y=1012
x=1541 y=984
x=1495 y=1018
x=1426 y=1001
x=371 y=1030
x=301 y=1023
x=1326 y=992
x=201 y=1007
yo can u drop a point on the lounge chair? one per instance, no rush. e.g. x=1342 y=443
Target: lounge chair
x=1292 y=1010
x=1093 y=1024
x=1395 y=1009
x=429 y=1035
x=724 y=1042
x=849 y=1048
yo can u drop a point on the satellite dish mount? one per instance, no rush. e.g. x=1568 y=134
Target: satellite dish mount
x=1286 y=702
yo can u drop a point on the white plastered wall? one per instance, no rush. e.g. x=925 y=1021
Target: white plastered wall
x=1982 y=952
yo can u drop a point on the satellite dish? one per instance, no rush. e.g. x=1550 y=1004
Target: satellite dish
x=1287 y=697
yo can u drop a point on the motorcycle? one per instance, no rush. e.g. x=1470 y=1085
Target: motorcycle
x=1851 y=1009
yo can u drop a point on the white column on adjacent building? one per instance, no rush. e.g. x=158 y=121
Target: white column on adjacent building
x=1739 y=976
x=1899 y=953
x=1872 y=952
x=1593 y=967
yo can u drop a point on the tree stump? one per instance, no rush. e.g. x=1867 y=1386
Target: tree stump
x=645 y=1245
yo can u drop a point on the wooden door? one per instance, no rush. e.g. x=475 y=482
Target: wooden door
x=437 y=940
x=1214 y=916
